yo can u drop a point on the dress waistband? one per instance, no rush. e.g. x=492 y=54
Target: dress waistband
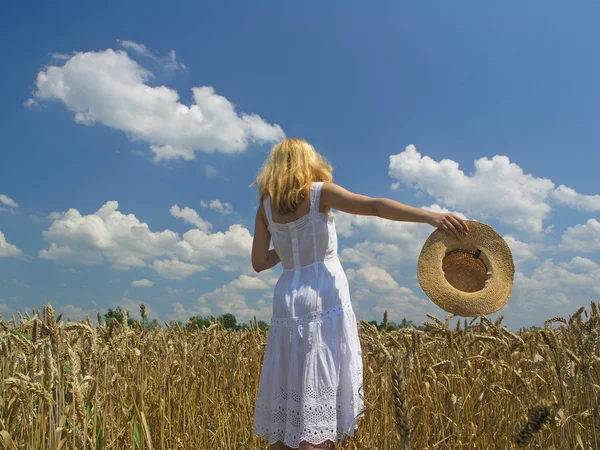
x=315 y=315
x=331 y=259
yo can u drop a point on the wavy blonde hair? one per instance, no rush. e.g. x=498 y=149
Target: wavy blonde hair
x=288 y=172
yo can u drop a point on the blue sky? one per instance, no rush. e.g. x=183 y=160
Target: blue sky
x=120 y=184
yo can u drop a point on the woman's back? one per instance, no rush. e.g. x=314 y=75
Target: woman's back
x=313 y=280
x=307 y=240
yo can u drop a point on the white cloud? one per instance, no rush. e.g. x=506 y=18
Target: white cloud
x=371 y=252
x=140 y=49
x=166 y=152
x=581 y=264
x=377 y=279
x=582 y=238
x=374 y=290
x=60 y=56
x=142 y=283
x=8 y=250
x=557 y=288
x=168 y=62
x=232 y=298
x=4 y=309
x=75 y=313
x=124 y=241
x=189 y=215
x=6 y=201
x=245 y=282
x=523 y=251
x=566 y=196
x=498 y=188
x=218 y=206
x=174 y=269
x=108 y=235
x=210 y=171
x=110 y=88
x=231 y=247
x=181 y=313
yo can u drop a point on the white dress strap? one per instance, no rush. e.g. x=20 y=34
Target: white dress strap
x=315 y=196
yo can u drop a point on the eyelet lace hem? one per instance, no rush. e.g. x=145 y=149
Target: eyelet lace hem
x=314 y=437
x=315 y=417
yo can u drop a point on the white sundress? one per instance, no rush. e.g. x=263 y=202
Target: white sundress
x=310 y=388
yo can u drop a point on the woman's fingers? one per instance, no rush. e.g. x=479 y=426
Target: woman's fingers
x=463 y=224
x=453 y=225
x=448 y=227
x=460 y=225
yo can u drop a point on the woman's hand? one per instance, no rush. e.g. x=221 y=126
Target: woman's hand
x=450 y=223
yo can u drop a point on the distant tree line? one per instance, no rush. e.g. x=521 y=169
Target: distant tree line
x=229 y=322
x=118 y=312
x=393 y=326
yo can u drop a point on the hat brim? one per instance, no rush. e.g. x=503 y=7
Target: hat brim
x=496 y=255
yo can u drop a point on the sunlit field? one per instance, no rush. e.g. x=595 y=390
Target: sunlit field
x=476 y=385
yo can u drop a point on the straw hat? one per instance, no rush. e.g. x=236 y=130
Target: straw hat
x=468 y=277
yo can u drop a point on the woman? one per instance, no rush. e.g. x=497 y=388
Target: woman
x=310 y=389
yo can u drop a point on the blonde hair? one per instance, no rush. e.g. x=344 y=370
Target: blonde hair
x=288 y=172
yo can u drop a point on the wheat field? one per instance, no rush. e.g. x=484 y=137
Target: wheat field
x=477 y=385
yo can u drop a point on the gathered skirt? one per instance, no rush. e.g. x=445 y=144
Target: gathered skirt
x=311 y=384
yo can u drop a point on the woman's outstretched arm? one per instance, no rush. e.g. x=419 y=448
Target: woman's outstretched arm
x=334 y=196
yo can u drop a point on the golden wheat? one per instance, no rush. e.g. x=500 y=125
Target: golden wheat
x=73 y=385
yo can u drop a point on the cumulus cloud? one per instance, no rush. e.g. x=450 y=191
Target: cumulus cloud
x=374 y=290
x=377 y=279
x=218 y=206
x=497 y=188
x=142 y=283
x=232 y=298
x=190 y=215
x=174 y=269
x=75 y=313
x=107 y=235
x=181 y=313
x=582 y=238
x=556 y=288
x=8 y=250
x=566 y=196
x=110 y=88
x=581 y=264
x=245 y=282
x=523 y=251
x=7 y=203
x=123 y=241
